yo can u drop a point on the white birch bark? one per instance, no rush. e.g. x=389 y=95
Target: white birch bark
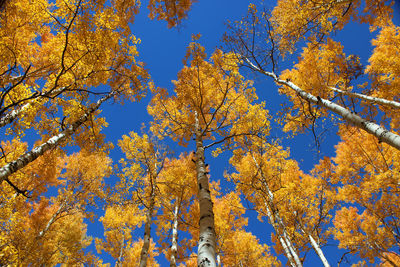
x=316 y=247
x=52 y=220
x=147 y=229
x=207 y=239
x=283 y=237
x=53 y=142
x=121 y=252
x=318 y=250
x=174 y=242
x=378 y=131
x=370 y=99
x=284 y=246
x=279 y=227
x=10 y=117
x=286 y=240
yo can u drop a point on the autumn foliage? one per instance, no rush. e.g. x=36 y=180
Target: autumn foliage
x=210 y=180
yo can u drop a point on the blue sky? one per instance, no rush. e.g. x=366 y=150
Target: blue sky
x=163 y=49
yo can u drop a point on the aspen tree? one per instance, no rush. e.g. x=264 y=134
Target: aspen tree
x=367 y=172
x=51 y=143
x=298 y=206
x=235 y=246
x=143 y=161
x=51 y=73
x=51 y=230
x=322 y=65
x=177 y=185
x=212 y=100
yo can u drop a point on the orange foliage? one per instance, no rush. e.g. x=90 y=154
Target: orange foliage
x=294 y=19
x=215 y=91
x=368 y=172
x=51 y=231
x=172 y=11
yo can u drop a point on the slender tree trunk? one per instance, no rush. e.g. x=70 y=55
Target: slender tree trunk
x=370 y=127
x=10 y=117
x=147 y=230
x=52 y=220
x=284 y=238
x=289 y=243
x=285 y=241
x=318 y=250
x=121 y=252
x=53 y=142
x=218 y=260
x=279 y=226
x=207 y=239
x=174 y=245
x=370 y=99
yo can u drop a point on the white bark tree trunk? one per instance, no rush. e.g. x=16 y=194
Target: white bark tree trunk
x=53 y=142
x=378 y=131
x=174 y=242
x=318 y=250
x=370 y=99
x=52 y=220
x=147 y=229
x=284 y=246
x=279 y=226
x=284 y=238
x=207 y=239
x=121 y=252
x=10 y=117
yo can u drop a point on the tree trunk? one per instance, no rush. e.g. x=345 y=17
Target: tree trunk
x=121 y=252
x=370 y=127
x=53 y=142
x=147 y=229
x=279 y=226
x=207 y=239
x=52 y=220
x=283 y=237
x=370 y=99
x=318 y=250
x=174 y=242
x=10 y=117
